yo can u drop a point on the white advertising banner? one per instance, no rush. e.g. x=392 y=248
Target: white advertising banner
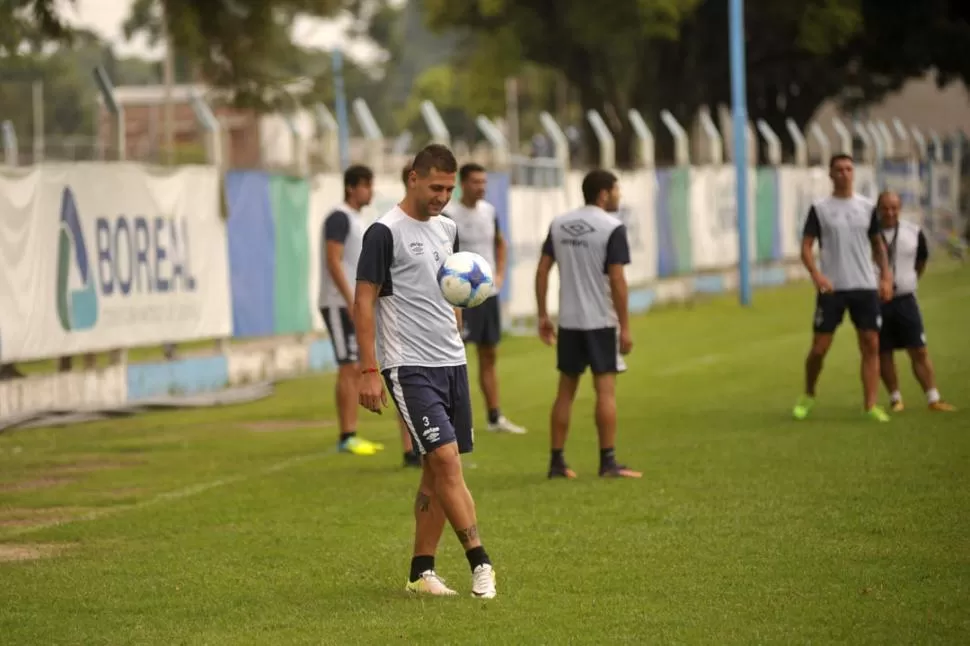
x=95 y=257
x=714 y=216
x=798 y=189
x=638 y=210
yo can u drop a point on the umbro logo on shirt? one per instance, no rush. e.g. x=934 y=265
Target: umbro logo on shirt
x=577 y=228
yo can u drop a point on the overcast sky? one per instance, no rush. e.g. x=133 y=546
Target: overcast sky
x=105 y=17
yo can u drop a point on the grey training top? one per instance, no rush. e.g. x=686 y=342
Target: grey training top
x=416 y=326
x=843 y=228
x=341 y=225
x=584 y=243
x=907 y=248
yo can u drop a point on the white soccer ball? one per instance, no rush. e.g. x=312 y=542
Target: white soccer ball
x=465 y=279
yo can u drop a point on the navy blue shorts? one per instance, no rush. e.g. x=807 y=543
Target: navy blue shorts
x=863 y=305
x=436 y=405
x=343 y=336
x=902 y=325
x=598 y=350
x=483 y=324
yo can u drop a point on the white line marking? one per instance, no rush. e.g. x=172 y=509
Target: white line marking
x=168 y=496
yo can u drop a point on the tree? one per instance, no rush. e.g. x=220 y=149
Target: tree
x=673 y=54
x=242 y=46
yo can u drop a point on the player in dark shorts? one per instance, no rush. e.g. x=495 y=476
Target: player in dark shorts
x=902 y=320
x=591 y=248
x=421 y=357
x=850 y=248
x=479 y=232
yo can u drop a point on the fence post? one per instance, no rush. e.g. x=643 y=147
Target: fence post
x=903 y=135
x=681 y=142
x=863 y=134
x=605 y=138
x=845 y=137
x=801 y=146
x=920 y=142
x=645 y=144
x=937 y=145
x=500 y=145
x=213 y=129
x=560 y=143
x=436 y=125
x=10 y=145
x=772 y=141
x=108 y=95
x=328 y=134
x=889 y=144
x=373 y=134
x=715 y=143
x=824 y=145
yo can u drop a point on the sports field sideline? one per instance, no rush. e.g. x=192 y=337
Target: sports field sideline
x=243 y=526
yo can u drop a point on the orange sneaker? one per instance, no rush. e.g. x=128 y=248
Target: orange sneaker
x=619 y=471
x=942 y=407
x=561 y=472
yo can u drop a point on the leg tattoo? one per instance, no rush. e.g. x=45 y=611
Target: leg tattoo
x=422 y=502
x=468 y=534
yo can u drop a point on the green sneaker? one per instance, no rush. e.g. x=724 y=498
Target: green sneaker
x=878 y=414
x=803 y=407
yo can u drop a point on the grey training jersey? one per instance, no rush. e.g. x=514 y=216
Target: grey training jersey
x=843 y=227
x=341 y=225
x=584 y=243
x=477 y=228
x=416 y=326
x=907 y=248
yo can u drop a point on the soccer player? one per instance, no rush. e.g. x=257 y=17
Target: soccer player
x=902 y=321
x=421 y=357
x=479 y=232
x=846 y=226
x=342 y=237
x=591 y=247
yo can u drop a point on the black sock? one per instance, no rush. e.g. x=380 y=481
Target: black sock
x=346 y=436
x=493 y=415
x=420 y=565
x=477 y=556
x=607 y=457
x=557 y=460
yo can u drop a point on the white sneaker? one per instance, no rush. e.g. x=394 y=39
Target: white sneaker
x=483 y=582
x=430 y=583
x=503 y=425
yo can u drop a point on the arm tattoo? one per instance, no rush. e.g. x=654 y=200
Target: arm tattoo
x=422 y=502
x=878 y=251
x=468 y=534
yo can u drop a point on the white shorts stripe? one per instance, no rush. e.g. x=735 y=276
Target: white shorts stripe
x=337 y=332
x=397 y=392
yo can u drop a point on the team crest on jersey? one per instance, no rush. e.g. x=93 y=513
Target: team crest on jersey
x=416 y=248
x=577 y=228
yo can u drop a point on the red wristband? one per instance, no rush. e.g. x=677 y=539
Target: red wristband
x=367 y=371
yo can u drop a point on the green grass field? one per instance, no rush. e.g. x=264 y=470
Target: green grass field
x=242 y=526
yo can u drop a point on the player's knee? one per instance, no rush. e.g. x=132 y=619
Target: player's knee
x=869 y=343
x=445 y=463
x=348 y=371
x=487 y=355
x=820 y=346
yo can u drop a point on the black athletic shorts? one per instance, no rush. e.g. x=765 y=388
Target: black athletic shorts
x=598 y=350
x=864 y=310
x=902 y=325
x=436 y=405
x=343 y=336
x=483 y=324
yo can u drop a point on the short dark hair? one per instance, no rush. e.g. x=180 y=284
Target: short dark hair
x=356 y=175
x=468 y=169
x=434 y=156
x=595 y=182
x=839 y=157
x=406 y=173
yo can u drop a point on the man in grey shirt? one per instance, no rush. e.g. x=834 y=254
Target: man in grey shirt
x=847 y=229
x=479 y=232
x=591 y=247
x=421 y=356
x=902 y=321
